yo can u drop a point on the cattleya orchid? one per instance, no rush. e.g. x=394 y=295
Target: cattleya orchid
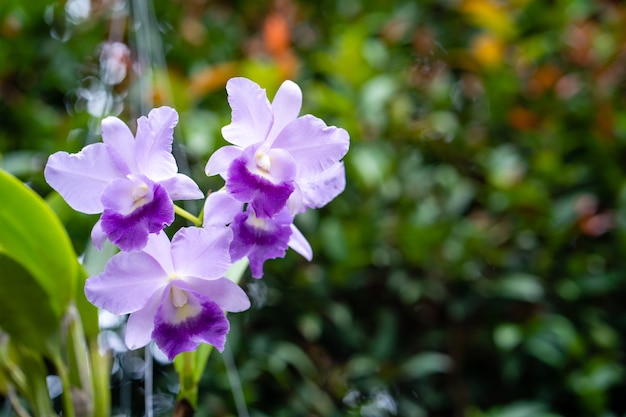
x=278 y=159
x=131 y=181
x=279 y=165
x=175 y=292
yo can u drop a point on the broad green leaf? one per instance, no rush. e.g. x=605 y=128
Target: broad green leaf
x=26 y=313
x=32 y=235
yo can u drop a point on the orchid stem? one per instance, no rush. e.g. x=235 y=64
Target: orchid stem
x=188 y=216
x=68 y=405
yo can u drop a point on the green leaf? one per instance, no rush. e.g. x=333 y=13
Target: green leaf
x=26 y=313
x=32 y=235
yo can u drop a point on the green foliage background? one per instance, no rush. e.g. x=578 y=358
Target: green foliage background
x=474 y=265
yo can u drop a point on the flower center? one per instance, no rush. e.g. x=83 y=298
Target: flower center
x=263 y=161
x=141 y=193
x=185 y=307
x=179 y=298
x=256 y=222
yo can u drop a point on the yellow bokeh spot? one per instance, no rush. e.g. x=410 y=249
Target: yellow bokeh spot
x=491 y=15
x=487 y=50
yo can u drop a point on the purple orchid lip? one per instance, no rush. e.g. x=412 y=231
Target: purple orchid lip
x=153 y=212
x=260 y=238
x=266 y=197
x=185 y=319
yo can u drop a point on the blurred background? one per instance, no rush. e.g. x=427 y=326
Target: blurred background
x=474 y=266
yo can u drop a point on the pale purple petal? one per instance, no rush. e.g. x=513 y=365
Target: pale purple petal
x=81 y=178
x=159 y=247
x=153 y=144
x=220 y=159
x=140 y=324
x=130 y=232
x=260 y=239
x=201 y=253
x=181 y=187
x=319 y=190
x=298 y=242
x=295 y=203
x=98 y=236
x=120 y=144
x=127 y=283
x=313 y=145
x=285 y=107
x=173 y=335
x=251 y=113
x=220 y=209
x=225 y=293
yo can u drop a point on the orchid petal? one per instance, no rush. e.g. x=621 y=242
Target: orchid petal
x=228 y=295
x=127 y=283
x=260 y=239
x=285 y=107
x=140 y=324
x=120 y=144
x=251 y=113
x=202 y=321
x=295 y=203
x=81 y=178
x=319 y=190
x=201 y=253
x=220 y=209
x=313 y=145
x=124 y=194
x=98 y=236
x=298 y=242
x=131 y=232
x=153 y=144
x=181 y=187
x=266 y=196
x=159 y=247
x=220 y=159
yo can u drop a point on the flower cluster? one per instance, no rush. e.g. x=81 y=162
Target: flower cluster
x=279 y=164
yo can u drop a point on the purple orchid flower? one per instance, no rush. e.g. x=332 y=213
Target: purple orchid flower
x=278 y=159
x=258 y=238
x=174 y=291
x=131 y=181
